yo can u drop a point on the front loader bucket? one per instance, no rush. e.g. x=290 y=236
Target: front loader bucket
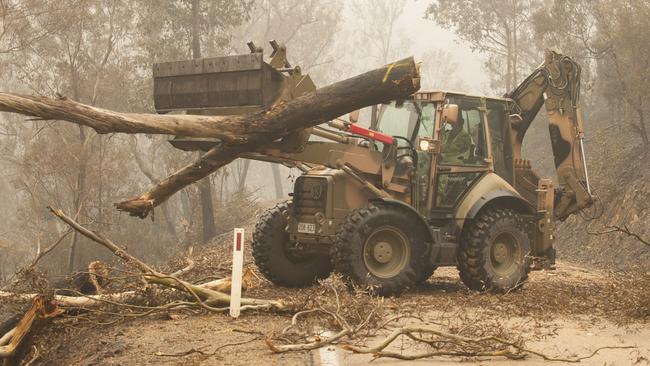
x=223 y=85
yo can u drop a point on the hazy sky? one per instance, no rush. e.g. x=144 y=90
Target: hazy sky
x=426 y=35
x=416 y=36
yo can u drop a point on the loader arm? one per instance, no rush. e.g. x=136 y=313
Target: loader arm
x=556 y=85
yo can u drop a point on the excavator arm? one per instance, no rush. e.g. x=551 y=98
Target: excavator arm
x=556 y=85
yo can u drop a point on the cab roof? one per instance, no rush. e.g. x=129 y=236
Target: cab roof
x=440 y=95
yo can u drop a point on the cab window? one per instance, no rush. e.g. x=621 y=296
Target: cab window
x=427 y=120
x=402 y=120
x=463 y=143
x=499 y=135
x=398 y=119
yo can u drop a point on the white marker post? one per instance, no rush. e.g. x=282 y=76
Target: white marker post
x=237 y=272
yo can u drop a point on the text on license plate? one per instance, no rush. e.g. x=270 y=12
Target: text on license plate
x=307 y=228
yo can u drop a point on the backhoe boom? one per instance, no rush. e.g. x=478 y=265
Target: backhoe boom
x=556 y=85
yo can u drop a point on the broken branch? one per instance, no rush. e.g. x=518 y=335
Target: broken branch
x=489 y=346
x=204 y=296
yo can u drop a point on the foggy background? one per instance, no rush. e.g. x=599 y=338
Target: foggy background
x=100 y=52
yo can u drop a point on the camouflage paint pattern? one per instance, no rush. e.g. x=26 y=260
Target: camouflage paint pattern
x=342 y=175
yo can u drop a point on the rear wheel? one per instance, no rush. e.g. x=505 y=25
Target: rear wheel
x=493 y=255
x=274 y=257
x=380 y=247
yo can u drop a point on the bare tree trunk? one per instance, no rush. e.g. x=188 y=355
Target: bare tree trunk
x=277 y=181
x=80 y=187
x=243 y=173
x=207 y=209
x=205 y=188
x=508 y=58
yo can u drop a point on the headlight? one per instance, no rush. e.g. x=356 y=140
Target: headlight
x=424 y=145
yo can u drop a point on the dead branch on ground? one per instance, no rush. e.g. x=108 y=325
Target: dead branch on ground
x=437 y=342
x=442 y=344
x=205 y=297
x=190 y=264
x=449 y=344
x=40 y=310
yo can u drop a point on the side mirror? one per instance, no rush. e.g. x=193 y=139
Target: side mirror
x=354 y=116
x=450 y=113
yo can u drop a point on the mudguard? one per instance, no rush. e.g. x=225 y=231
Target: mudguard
x=433 y=235
x=491 y=190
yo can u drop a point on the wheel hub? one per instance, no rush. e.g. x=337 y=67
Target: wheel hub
x=504 y=254
x=500 y=252
x=386 y=252
x=382 y=252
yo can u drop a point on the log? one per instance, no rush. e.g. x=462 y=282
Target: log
x=73 y=301
x=5 y=339
x=238 y=134
x=394 y=81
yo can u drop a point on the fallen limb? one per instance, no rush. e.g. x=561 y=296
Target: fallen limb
x=223 y=284
x=74 y=301
x=40 y=309
x=346 y=330
x=209 y=162
x=457 y=345
x=190 y=264
x=205 y=297
x=4 y=340
x=320 y=342
x=121 y=298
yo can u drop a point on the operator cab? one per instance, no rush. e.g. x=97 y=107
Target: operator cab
x=471 y=132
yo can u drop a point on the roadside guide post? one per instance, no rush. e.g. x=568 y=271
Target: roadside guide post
x=237 y=272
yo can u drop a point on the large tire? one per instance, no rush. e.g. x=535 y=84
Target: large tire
x=270 y=240
x=494 y=251
x=380 y=247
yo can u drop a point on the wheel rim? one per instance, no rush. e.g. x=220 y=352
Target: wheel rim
x=504 y=253
x=386 y=252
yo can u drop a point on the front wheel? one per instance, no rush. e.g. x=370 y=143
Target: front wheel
x=494 y=252
x=381 y=248
x=273 y=257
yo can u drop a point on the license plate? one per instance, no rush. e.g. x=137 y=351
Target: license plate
x=306 y=228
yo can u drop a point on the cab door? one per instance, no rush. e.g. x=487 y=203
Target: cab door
x=464 y=155
x=422 y=179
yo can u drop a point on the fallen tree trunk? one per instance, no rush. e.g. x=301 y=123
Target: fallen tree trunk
x=238 y=133
x=74 y=301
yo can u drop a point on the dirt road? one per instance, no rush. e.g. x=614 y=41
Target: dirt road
x=564 y=313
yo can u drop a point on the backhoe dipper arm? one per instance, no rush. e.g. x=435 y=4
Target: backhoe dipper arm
x=556 y=84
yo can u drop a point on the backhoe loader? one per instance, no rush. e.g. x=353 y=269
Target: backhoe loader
x=436 y=180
